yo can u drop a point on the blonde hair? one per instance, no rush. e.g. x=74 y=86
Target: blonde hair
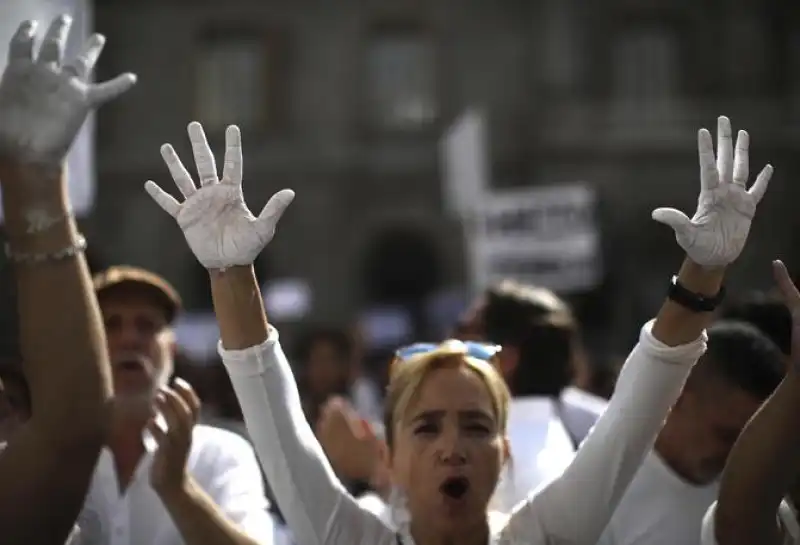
x=407 y=375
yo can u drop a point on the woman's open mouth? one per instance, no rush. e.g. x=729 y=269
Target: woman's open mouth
x=454 y=487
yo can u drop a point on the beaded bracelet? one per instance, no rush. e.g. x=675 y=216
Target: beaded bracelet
x=34 y=259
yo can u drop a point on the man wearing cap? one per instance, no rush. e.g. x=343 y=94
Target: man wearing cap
x=164 y=480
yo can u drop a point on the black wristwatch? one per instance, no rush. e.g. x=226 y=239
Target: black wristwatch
x=691 y=300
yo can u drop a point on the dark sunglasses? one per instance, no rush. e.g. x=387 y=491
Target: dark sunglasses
x=480 y=351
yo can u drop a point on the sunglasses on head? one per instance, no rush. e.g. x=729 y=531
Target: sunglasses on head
x=480 y=351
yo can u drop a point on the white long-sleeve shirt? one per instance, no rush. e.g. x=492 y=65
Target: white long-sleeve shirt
x=573 y=509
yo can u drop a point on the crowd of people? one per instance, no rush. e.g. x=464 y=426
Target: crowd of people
x=489 y=437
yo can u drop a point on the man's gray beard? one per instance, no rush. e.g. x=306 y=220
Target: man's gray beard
x=142 y=402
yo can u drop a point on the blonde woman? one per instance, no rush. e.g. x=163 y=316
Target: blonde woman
x=446 y=410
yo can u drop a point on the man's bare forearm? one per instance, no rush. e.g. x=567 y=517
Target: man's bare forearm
x=61 y=331
x=676 y=325
x=199 y=520
x=760 y=470
x=239 y=307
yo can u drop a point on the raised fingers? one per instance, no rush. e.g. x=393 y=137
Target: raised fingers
x=55 y=40
x=275 y=207
x=204 y=159
x=108 y=90
x=232 y=169
x=724 y=149
x=83 y=65
x=166 y=201
x=175 y=411
x=178 y=172
x=741 y=163
x=709 y=177
x=20 y=48
x=759 y=187
x=189 y=397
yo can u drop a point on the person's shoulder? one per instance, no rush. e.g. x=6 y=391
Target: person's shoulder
x=207 y=435
x=582 y=401
x=212 y=443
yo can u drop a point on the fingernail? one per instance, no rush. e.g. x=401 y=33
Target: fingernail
x=180 y=383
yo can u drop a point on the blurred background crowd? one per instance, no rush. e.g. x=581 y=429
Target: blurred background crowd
x=435 y=147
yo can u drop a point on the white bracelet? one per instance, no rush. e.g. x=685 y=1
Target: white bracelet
x=78 y=247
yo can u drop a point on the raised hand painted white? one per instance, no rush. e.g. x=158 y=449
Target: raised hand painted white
x=220 y=229
x=80 y=164
x=716 y=234
x=44 y=102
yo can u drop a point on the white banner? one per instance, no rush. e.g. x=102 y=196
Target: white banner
x=80 y=163
x=543 y=236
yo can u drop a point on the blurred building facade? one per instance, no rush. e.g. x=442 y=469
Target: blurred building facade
x=345 y=102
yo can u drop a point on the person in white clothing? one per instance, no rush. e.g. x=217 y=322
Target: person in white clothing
x=447 y=406
x=760 y=481
x=165 y=480
x=669 y=495
x=538 y=333
x=547 y=419
x=543 y=355
x=677 y=482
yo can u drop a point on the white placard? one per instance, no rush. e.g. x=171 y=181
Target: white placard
x=80 y=162
x=465 y=163
x=543 y=236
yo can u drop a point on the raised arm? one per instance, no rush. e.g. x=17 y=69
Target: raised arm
x=48 y=465
x=226 y=238
x=576 y=507
x=765 y=461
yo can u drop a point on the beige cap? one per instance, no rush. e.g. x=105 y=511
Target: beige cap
x=121 y=275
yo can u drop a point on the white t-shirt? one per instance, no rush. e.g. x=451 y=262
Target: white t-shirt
x=541 y=450
x=786 y=517
x=572 y=509
x=659 y=508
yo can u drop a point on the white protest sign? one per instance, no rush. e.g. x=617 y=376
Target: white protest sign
x=465 y=164
x=80 y=163
x=545 y=236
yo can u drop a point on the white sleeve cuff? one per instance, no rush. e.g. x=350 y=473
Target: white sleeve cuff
x=254 y=360
x=680 y=354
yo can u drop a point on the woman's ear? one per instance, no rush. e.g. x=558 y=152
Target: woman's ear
x=506 y=450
